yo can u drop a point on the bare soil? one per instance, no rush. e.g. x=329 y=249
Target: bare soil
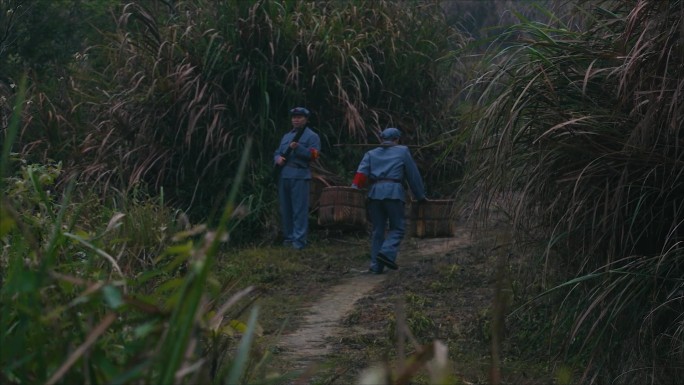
x=322 y=323
x=444 y=290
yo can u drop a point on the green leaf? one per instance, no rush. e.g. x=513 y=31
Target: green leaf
x=238 y=325
x=144 y=329
x=112 y=296
x=104 y=364
x=6 y=222
x=182 y=249
x=146 y=276
x=20 y=279
x=242 y=353
x=169 y=285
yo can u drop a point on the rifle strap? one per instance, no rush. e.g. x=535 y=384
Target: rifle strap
x=295 y=139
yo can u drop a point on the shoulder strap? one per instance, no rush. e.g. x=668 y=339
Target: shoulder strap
x=299 y=134
x=295 y=139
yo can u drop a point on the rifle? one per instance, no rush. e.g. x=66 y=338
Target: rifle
x=277 y=169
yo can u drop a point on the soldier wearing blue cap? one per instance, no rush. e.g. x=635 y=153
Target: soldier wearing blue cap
x=385 y=168
x=297 y=149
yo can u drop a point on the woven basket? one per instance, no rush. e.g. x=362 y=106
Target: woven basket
x=316 y=187
x=409 y=221
x=432 y=219
x=342 y=206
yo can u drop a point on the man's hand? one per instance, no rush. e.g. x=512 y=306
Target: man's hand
x=281 y=160
x=294 y=145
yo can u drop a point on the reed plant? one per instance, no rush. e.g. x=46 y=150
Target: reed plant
x=100 y=282
x=576 y=130
x=71 y=312
x=170 y=97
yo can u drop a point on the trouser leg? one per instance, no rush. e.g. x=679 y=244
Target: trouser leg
x=378 y=217
x=395 y=213
x=285 y=202
x=300 y=212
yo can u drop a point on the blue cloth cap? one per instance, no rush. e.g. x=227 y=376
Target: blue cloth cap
x=299 y=111
x=391 y=133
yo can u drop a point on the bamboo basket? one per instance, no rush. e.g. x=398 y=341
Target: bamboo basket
x=316 y=187
x=341 y=206
x=431 y=219
x=409 y=221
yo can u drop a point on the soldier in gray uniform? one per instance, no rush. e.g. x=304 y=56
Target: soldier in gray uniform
x=293 y=157
x=385 y=168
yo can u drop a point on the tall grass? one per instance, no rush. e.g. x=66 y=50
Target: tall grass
x=170 y=98
x=72 y=314
x=578 y=131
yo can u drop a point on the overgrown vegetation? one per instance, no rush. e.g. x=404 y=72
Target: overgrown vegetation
x=77 y=306
x=172 y=94
x=579 y=130
x=136 y=157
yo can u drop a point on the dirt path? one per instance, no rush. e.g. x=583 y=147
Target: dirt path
x=323 y=319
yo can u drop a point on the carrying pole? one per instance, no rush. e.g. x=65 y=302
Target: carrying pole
x=375 y=145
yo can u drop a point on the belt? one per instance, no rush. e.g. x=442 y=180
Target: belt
x=386 y=180
x=295 y=166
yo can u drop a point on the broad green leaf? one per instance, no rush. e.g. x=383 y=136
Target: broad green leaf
x=112 y=296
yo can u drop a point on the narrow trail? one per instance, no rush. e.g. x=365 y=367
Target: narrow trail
x=323 y=318
x=309 y=342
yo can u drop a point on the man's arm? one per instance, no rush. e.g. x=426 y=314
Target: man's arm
x=362 y=172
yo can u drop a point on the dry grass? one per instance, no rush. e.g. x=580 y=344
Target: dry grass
x=579 y=130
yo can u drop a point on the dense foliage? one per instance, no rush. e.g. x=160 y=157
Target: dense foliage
x=120 y=119
x=170 y=97
x=579 y=127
